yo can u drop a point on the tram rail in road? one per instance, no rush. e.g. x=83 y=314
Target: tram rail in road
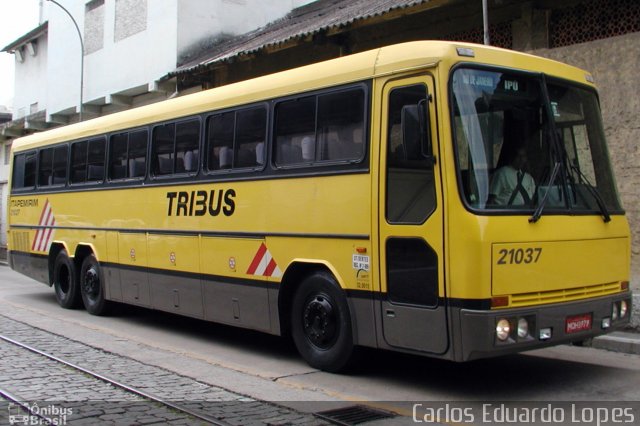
x=6 y=394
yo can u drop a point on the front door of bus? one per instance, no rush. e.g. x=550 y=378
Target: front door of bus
x=411 y=219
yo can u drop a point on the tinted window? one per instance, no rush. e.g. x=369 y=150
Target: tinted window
x=45 y=171
x=79 y=162
x=128 y=155
x=235 y=139
x=24 y=171
x=320 y=128
x=87 y=161
x=53 y=166
x=175 y=148
x=410 y=181
x=96 y=158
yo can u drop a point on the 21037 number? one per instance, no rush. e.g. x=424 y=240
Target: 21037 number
x=519 y=256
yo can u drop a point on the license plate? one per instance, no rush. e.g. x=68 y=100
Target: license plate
x=578 y=323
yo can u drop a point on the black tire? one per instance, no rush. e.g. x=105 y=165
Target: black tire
x=92 y=287
x=65 y=282
x=321 y=323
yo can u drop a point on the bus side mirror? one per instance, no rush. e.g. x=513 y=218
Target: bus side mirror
x=416 y=133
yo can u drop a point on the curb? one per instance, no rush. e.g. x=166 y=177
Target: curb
x=618 y=341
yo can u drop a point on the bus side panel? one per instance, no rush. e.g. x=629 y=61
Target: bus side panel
x=234 y=286
x=32 y=265
x=113 y=289
x=172 y=289
x=132 y=253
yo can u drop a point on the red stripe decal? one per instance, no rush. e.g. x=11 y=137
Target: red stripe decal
x=270 y=268
x=257 y=259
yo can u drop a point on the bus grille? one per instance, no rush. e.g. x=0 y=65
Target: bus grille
x=554 y=296
x=20 y=240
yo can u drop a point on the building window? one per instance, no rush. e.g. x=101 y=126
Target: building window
x=93 y=26
x=131 y=18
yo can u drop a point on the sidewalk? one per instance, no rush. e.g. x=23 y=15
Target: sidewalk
x=619 y=341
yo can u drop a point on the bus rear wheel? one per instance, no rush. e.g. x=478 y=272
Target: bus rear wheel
x=321 y=323
x=92 y=288
x=65 y=282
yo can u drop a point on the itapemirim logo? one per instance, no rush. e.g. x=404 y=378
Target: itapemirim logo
x=33 y=414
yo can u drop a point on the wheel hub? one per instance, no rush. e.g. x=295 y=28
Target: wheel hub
x=319 y=321
x=91 y=282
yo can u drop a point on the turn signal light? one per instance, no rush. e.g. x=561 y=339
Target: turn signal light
x=500 y=301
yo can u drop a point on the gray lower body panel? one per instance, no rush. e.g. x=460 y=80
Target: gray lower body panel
x=36 y=267
x=477 y=329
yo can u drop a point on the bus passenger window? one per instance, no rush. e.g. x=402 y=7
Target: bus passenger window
x=53 y=166
x=162 y=154
x=296 y=131
x=137 y=154
x=341 y=125
x=24 y=171
x=95 y=166
x=45 y=171
x=220 y=141
x=321 y=128
x=235 y=139
x=60 y=156
x=186 y=146
x=128 y=155
x=251 y=129
x=78 y=162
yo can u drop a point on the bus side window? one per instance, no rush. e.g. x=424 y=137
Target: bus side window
x=251 y=130
x=341 y=125
x=137 y=154
x=95 y=160
x=24 y=171
x=162 y=149
x=220 y=132
x=118 y=156
x=186 y=146
x=45 y=169
x=59 y=169
x=78 y=162
x=296 y=131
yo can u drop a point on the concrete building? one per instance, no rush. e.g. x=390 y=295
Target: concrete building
x=5 y=148
x=129 y=45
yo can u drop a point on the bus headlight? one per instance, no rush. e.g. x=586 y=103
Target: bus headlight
x=614 y=312
x=523 y=328
x=623 y=308
x=503 y=329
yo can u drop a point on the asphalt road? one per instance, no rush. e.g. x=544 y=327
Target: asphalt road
x=268 y=368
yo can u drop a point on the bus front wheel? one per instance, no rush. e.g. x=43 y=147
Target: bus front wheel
x=65 y=283
x=321 y=324
x=92 y=288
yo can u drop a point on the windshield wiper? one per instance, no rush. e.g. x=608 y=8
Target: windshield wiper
x=536 y=214
x=594 y=192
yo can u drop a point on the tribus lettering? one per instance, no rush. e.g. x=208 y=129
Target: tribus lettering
x=199 y=203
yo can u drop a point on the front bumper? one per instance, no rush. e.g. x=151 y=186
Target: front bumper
x=478 y=328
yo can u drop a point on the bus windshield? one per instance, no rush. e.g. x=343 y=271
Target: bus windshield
x=522 y=141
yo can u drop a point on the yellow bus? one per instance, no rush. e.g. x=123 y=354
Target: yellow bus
x=443 y=199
